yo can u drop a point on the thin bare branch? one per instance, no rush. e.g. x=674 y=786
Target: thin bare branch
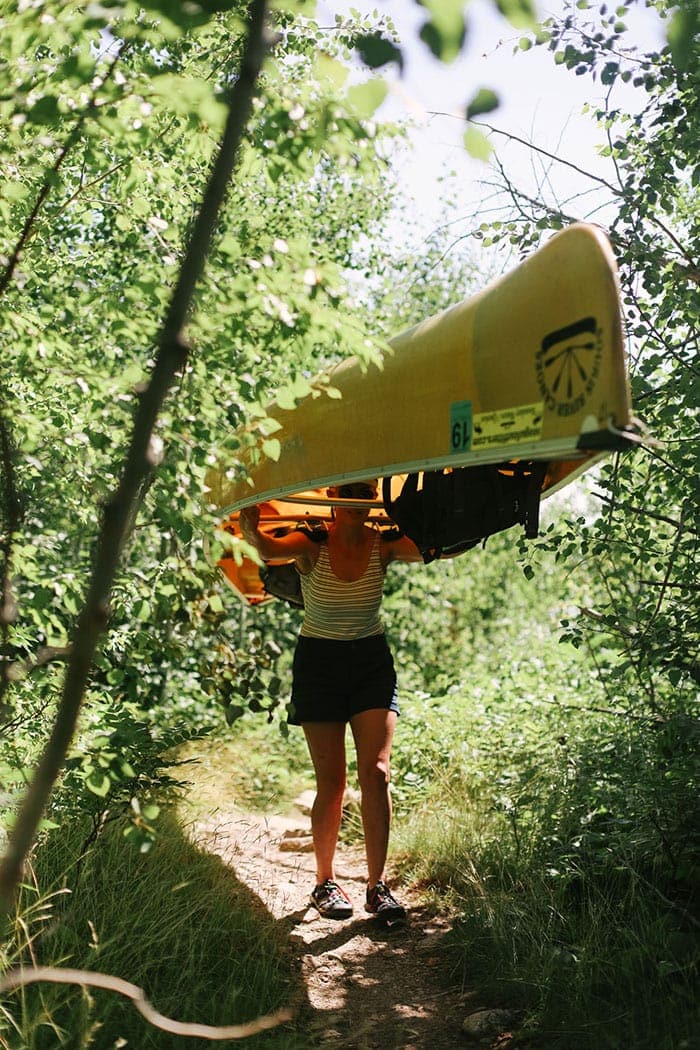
x=12 y=514
x=545 y=153
x=91 y=979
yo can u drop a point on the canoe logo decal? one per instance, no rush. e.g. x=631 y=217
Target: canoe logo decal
x=568 y=364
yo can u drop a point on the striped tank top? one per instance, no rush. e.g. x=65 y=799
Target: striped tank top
x=342 y=609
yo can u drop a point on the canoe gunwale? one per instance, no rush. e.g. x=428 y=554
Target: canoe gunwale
x=585 y=447
x=609 y=440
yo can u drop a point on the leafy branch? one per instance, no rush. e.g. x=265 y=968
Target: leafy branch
x=11 y=497
x=644 y=512
x=50 y=177
x=667 y=577
x=141 y=458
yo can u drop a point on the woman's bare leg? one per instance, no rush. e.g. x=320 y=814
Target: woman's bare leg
x=373 y=732
x=326 y=743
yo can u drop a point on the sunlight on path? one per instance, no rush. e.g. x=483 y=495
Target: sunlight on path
x=368 y=987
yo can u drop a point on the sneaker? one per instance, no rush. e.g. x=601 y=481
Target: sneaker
x=330 y=901
x=382 y=903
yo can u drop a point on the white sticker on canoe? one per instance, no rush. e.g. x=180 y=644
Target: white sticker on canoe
x=507 y=426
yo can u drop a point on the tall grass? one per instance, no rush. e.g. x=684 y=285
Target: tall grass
x=174 y=921
x=597 y=958
x=556 y=818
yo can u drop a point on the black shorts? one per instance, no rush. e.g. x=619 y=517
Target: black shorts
x=334 y=680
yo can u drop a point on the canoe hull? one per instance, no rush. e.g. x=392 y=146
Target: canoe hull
x=530 y=368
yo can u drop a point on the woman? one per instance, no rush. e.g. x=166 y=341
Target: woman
x=343 y=672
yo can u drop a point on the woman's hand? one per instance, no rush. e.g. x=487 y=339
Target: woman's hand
x=294 y=546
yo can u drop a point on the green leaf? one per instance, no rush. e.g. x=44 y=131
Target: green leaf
x=98 y=783
x=188 y=15
x=272 y=448
x=285 y=399
x=366 y=98
x=609 y=72
x=45 y=111
x=301 y=387
x=376 y=50
x=445 y=34
x=13 y=191
x=484 y=101
x=477 y=144
x=233 y=712
x=48 y=825
x=189 y=95
x=682 y=35
x=446 y=29
x=327 y=68
x=520 y=13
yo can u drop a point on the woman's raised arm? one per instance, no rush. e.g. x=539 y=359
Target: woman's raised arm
x=293 y=545
x=402 y=549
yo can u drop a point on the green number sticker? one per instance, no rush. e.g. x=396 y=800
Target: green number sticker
x=460 y=426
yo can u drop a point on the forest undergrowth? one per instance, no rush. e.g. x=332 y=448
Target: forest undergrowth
x=174 y=921
x=550 y=822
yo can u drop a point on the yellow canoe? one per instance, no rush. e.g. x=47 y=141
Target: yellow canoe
x=530 y=368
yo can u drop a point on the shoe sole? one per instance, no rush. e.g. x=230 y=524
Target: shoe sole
x=339 y=913
x=389 y=915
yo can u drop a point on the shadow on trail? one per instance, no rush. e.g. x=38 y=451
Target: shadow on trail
x=373 y=986
x=356 y=983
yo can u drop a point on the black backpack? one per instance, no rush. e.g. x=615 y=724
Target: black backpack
x=282 y=581
x=457 y=509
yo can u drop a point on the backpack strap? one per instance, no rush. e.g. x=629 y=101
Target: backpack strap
x=405 y=510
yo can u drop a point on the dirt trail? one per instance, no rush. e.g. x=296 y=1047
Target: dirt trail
x=368 y=987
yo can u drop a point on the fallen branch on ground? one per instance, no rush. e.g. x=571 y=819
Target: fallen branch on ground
x=92 y=979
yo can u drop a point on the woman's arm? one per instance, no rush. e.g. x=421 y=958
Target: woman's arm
x=402 y=549
x=294 y=545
